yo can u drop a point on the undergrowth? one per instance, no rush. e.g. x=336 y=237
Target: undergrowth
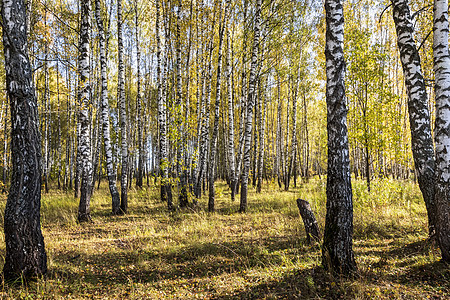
x=153 y=254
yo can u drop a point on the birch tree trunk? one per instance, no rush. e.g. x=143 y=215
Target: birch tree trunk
x=47 y=114
x=84 y=210
x=123 y=115
x=25 y=251
x=184 y=180
x=286 y=147
x=250 y=107
x=243 y=102
x=293 y=155
x=337 y=252
x=262 y=133
x=231 y=154
x=166 y=191
x=442 y=138
x=205 y=120
x=59 y=126
x=140 y=170
x=419 y=115
x=213 y=146
x=183 y=197
x=105 y=110
x=279 y=138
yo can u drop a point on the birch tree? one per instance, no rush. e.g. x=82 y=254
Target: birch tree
x=250 y=107
x=105 y=109
x=213 y=147
x=293 y=154
x=419 y=115
x=140 y=170
x=262 y=131
x=337 y=252
x=442 y=138
x=166 y=190
x=205 y=120
x=230 y=148
x=122 y=114
x=184 y=180
x=25 y=252
x=84 y=210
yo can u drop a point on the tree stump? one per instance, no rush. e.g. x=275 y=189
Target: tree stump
x=309 y=220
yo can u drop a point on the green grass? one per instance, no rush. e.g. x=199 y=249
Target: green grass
x=153 y=254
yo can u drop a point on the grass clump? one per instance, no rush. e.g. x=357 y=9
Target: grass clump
x=151 y=253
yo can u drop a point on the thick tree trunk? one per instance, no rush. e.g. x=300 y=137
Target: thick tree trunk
x=84 y=210
x=25 y=251
x=419 y=116
x=337 y=253
x=123 y=115
x=250 y=107
x=110 y=171
x=442 y=136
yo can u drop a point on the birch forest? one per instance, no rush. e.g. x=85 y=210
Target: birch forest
x=225 y=149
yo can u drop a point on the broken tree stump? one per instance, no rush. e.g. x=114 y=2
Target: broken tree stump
x=309 y=220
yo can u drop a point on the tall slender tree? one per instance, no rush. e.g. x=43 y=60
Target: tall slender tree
x=110 y=171
x=230 y=148
x=183 y=197
x=250 y=107
x=140 y=169
x=205 y=119
x=184 y=178
x=213 y=146
x=337 y=252
x=419 y=115
x=166 y=189
x=122 y=114
x=262 y=133
x=84 y=209
x=25 y=251
x=442 y=90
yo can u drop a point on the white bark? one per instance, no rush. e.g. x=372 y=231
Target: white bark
x=84 y=114
x=105 y=110
x=250 y=107
x=231 y=154
x=442 y=137
x=337 y=252
x=122 y=115
x=419 y=115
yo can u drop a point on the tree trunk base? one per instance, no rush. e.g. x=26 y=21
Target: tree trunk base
x=309 y=220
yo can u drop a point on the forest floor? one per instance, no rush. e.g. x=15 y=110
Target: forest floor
x=153 y=254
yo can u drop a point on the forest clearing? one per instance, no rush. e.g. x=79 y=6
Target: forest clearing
x=151 y=253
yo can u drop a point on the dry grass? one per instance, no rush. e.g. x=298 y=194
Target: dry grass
x=153 y=254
